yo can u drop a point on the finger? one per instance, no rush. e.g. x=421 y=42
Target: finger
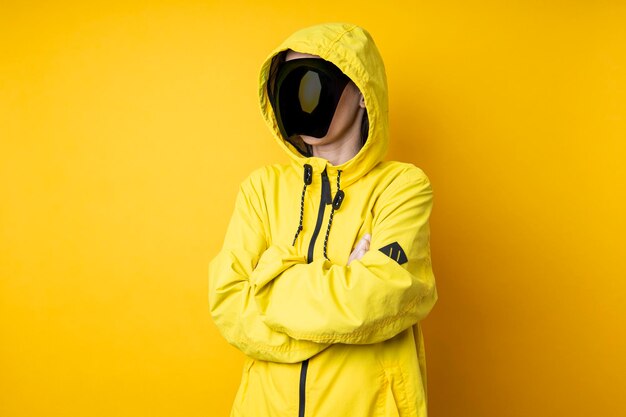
x=353 y=254
x=352 y=257
x=356 y=254
x=360 y=245
x=361 y=253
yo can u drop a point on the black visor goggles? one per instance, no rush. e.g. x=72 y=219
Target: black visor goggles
x=305 y=96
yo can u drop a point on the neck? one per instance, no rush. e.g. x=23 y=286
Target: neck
x=342 y=150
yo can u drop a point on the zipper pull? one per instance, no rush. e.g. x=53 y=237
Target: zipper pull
x=326 y=195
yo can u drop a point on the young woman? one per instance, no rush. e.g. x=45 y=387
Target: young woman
x=325 y=271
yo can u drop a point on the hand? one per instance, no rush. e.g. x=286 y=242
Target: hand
x=361 y=248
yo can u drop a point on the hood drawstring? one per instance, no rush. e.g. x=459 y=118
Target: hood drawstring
x=336 y=204
x=308 y=178
x=339 y=197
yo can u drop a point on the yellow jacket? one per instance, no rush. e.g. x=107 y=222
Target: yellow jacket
x=323 y=338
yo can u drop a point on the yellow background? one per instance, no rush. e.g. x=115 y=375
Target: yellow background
x=126 y=127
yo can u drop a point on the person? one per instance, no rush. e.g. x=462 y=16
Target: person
x=325 y=272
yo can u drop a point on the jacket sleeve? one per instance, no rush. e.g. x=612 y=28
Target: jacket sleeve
x=372 y=299
x=231 y=300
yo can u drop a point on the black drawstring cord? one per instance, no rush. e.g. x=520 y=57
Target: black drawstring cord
x=308 y=178
x=336 y=204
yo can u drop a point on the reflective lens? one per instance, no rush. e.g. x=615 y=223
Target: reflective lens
x=310 y=91
x=305 y=97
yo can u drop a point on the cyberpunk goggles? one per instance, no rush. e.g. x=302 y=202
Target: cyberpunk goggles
x=305 y=96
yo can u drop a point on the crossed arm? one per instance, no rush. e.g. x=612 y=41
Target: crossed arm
x=273 y=305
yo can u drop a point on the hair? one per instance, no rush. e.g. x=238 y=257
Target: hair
x=296 y=140
x=365 y=127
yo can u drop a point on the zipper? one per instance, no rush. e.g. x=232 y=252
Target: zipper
x=325 y=199
x=303 y=370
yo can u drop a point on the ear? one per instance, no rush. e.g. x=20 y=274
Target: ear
x=362 y=101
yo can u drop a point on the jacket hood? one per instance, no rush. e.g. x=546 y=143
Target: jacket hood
x=351 y=49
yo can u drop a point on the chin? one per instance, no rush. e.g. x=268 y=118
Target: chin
x=311 y=140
